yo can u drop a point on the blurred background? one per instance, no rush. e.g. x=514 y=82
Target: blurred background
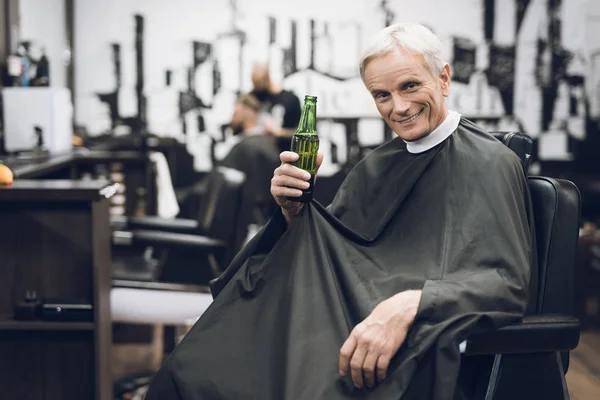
x=531 y=66
x=140 y=94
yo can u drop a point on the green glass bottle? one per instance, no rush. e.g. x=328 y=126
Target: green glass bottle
x=305 y=142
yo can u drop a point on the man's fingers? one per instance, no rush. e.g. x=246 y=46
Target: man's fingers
x=356 y=365
x=287 y=168
x=289 y=181
x=293 y=171
x=288 y=157
x=383 y=362
x=369 y=367
x=346 y=353
x=287 y=186
x=282 y=192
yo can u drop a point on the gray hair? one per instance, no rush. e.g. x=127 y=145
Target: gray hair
x=412 y=37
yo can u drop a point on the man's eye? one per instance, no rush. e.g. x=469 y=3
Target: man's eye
x=411 y=86
x=380 y=96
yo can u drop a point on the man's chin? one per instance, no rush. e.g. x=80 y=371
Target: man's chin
x=411 y=135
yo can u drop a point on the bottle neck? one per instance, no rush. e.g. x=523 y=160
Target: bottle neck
x=308 y=118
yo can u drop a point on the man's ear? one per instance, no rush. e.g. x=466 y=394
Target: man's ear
x=445 y=75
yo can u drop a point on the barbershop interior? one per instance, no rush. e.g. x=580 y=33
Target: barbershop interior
x=152 y=244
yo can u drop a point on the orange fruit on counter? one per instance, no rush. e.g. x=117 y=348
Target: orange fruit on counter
x=77 y=141
x=6 y=175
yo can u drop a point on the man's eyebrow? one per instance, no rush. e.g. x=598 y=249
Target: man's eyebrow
x=408 y=79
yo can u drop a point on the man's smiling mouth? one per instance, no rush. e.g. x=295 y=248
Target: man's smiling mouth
x=410 y=119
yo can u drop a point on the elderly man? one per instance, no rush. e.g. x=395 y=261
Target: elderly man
x=427 y=241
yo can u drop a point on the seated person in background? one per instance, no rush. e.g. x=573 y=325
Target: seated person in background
x=280 y=108
x=428 y=241
x=256 y=155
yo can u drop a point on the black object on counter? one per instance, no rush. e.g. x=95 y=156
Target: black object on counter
x=28 y=309
x=66 y=310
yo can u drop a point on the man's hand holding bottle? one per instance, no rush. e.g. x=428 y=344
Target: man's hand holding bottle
x=289 y=181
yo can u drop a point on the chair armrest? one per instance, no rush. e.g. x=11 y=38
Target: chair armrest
x=178 y=225
x=171 y=287
x=533 y=334
x=166 y=240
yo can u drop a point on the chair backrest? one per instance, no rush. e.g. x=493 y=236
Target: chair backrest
x=521 y=144
x=556 y=213
x=222 y=207
x=556 y=208
x=220 y=215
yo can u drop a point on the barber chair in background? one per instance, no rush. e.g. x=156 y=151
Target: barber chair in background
x=531 y=357
x=214 y=237
x=169 y=285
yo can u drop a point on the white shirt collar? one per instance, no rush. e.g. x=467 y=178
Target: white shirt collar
x=439 y=134
x=253 y=131
x=235 y=139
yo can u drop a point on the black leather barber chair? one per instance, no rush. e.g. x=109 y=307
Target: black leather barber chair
x=185 y=250
x=531 y=358
x=521 y=144
x=170 y=286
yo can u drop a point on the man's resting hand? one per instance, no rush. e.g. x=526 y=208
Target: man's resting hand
x=288 y=181
x=372 y=343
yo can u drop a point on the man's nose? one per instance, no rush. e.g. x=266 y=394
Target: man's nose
x=401 y=105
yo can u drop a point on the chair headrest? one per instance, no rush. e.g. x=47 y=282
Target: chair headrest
x=520 y=143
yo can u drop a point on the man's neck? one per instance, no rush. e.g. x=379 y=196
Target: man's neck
x=275 y=89
x=251 y=129
x=443 y=117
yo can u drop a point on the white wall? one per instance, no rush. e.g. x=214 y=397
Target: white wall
x=44 y=22
x=592 y=35
x=171 y=26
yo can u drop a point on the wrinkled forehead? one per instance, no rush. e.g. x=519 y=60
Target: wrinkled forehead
x=396 y=65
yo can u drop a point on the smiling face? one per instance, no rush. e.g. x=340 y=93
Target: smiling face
x=408 y=96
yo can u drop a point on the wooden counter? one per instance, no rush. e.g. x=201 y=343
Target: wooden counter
x=55 y=240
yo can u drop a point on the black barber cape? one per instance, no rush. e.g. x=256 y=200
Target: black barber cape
x=452 y=221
